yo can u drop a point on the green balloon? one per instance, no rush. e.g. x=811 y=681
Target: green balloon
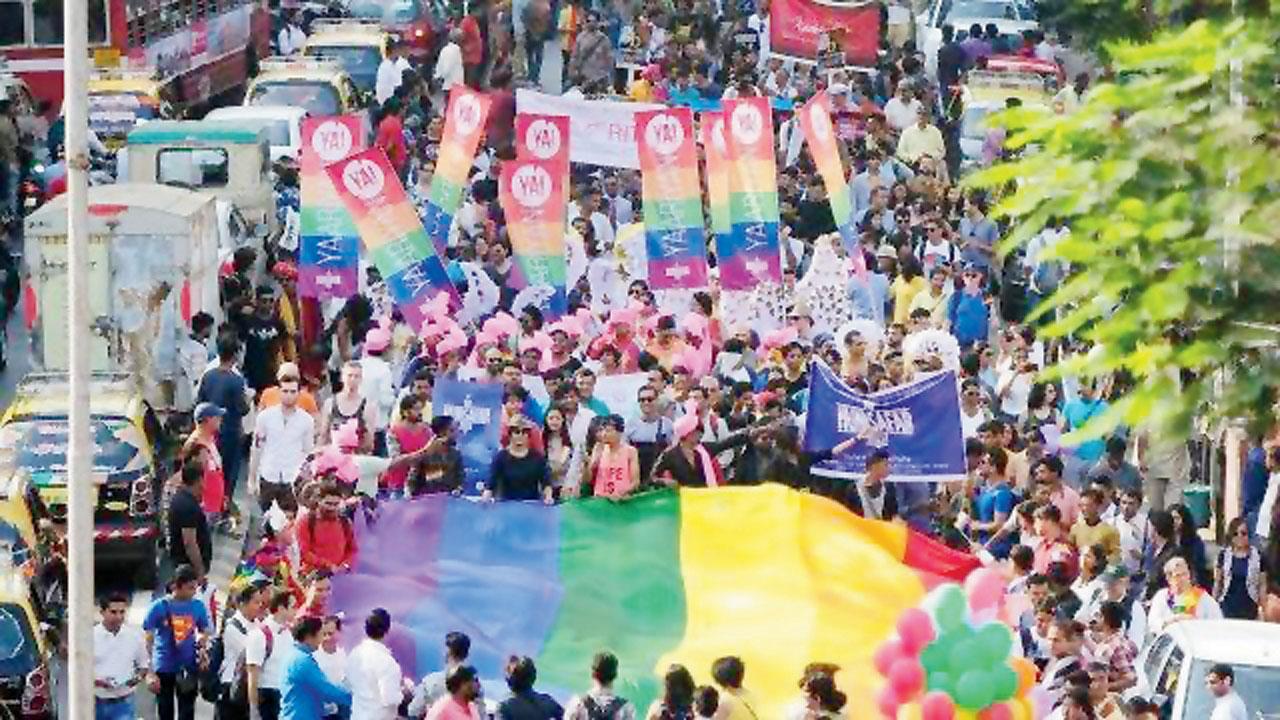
x=936 y=655
x=940 y=681
x=973 y=690
x=995 y=641
x=951 y=608
x=1004 y=683
x=961 y=658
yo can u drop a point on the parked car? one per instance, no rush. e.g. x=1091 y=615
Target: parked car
x=26 y=690
x=283 y=124
x=1010 y=17
x=1172 y=667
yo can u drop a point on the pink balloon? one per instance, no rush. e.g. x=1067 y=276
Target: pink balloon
x=984 y=587
x=886 y=655
x=1041 y=700
x=915 y=629
x=937 y=705
x=1000 y=711
x=907 y=677
x=888 y=702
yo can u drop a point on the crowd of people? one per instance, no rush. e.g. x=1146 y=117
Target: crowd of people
x=324 y=409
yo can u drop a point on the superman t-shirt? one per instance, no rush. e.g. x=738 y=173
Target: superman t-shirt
x=177 y=625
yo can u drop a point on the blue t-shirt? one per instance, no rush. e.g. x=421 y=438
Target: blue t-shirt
x=175 y=644
x=226 y=390
x=993 y=500
x=1079 y=412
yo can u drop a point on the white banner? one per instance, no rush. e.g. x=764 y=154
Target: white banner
x=601 y=132
x=618 y=392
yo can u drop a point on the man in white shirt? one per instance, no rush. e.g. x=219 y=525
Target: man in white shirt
x=902 y=108
x=1133 y=526
x=193 y=360
x=619 y=207
x=282 y=436
x=266 y=655
x=235 y=639
x=378 y=384
x=377 y=685
x=390 y=73
x=120 y=660
x=1227 y=704
x=291 y=38
x=587 y=207
x=449 y=67
x=760 y=24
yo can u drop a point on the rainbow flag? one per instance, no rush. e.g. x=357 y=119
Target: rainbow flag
x=463 y=127
x=329 y=247
x=392 y=232
x=751 y=255
x=716 y=154
x=778 y=577
x=533 y=198
x=543 y=137
x=819 y=132
x=675 y=232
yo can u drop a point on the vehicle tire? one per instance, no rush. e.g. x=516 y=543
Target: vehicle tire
x=146 y=572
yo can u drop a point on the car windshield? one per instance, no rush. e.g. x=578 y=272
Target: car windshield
x=1258 y=686
x=357 y=60
x=39 y=445
x=18 y=652
x=315 y=96
x=394 y=13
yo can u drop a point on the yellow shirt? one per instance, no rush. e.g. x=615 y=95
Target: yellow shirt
x=903 y=294
x=1083 y=536
x=915 y=142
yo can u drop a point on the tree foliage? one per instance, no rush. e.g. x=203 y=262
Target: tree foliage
x=1159 y=175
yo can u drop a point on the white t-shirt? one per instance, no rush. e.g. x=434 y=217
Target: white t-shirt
x=969 y=424
x=333 y=665
x=283 y=441
x=376 y=682
x=901 y=115
x=255 y=652
x=1229 y=707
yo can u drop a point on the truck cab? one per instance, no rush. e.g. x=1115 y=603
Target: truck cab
x=120 y=100
x=230 y=160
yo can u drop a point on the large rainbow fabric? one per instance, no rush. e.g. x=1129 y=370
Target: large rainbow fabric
x=716 y=153
x=778 y=577
x=329 y=247
x=533 y=199
x=751 y=255
x=815 y=122
x=675 y=233
x=463 y=127
x=392 y=232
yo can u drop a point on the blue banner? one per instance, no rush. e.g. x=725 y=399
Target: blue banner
x=918 y=424
x=476 y=409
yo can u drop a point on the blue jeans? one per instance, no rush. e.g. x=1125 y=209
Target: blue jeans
x=121 y=709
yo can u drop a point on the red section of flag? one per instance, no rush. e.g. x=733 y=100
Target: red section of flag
x=936 y=563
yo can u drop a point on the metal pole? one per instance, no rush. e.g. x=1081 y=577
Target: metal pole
x=80 y=605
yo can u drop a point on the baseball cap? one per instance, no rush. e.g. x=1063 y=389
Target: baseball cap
x=1114 y=573
x=206 y=410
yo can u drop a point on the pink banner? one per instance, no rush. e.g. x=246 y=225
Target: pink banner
x=796 y=29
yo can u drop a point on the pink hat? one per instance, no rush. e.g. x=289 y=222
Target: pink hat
x=685 y=425
x=377 y=339
x=779 y=338
x=623 y=316
x=572 y=326
x=694 y=324
x=453 y=341
x=347 y=436
x=507 y=325
x=437 y=308
x=537 y=341
x=333 y=460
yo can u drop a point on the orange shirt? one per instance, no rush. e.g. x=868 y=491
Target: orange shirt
x=271 y=397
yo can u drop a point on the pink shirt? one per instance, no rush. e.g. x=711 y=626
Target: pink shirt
x=1068 y=502
x=613 y=474
x=446 y=708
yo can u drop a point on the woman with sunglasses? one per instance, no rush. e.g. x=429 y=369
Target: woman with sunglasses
x=1239 y=579
x=518 y=472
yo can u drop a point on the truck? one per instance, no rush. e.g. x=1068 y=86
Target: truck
x=154 y=257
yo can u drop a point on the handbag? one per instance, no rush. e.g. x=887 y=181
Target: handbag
x=185 y=679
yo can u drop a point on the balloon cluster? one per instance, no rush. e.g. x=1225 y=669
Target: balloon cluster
x=950 y=659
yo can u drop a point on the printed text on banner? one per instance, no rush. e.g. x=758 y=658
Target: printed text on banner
x=329 y=247
x=716 y=152
x=675 y=233
x=751 y=255
x=463 y=127
x=533 y=199
x=815 y=121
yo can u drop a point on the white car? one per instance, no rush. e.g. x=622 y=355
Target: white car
x=1010 y=17
x=1172 y=667
x=283 y=124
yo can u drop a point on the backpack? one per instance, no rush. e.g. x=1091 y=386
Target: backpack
x=211 y=675
x=238 y=690
x=609 y=711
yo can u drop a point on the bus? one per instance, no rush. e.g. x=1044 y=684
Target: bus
x=196 y=49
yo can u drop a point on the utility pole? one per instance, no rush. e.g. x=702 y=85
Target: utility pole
x=80 y=501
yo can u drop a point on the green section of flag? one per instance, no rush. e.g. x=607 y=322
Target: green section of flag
x=753 y=207
x=392 y=257
x=673 y=214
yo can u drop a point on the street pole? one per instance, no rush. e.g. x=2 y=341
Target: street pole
x=80 y=502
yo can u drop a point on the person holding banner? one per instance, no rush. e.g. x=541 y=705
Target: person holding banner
x=615 y=464
x=691 y=462
x=518 y=472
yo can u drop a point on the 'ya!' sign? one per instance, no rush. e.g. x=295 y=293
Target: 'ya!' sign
x=329 y=246
x=675 y=234
x=533 y=199
x=543 y=137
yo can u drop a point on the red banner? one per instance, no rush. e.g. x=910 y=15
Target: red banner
x=796 y=28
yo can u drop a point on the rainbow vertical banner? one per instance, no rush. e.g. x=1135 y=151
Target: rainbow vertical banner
x=819 y=132
x=715 y=152
x=463 y=127
x=328 y=246
x=674 y=230
x=751 y=254
x=392 y=233
x=533 y=199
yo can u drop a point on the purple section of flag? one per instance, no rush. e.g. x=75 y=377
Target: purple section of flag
x=749 y=256
x=326 y=283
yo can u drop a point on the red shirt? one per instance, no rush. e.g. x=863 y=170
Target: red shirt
x=391 y=139
x=325 y=543
x=472 y=43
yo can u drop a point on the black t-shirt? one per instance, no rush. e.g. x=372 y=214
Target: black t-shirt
x=185 y=512
x=520 y=478
x=262 y=340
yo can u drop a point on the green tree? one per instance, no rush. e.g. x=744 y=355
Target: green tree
x=1168 y=181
